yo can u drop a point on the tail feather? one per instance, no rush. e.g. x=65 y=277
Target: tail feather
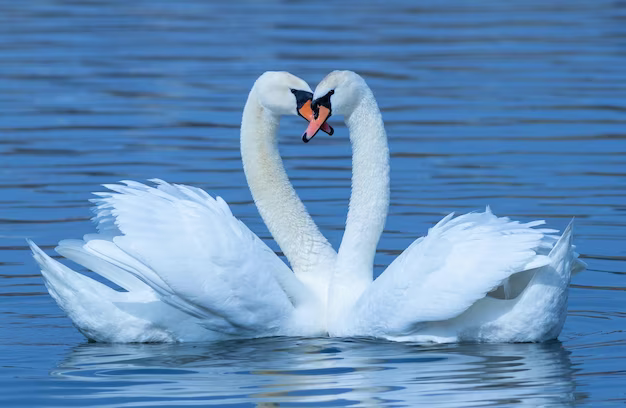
x=62 y=282
x=77 y=251
x=539 y=312
x=563 y=258
x=93 y=306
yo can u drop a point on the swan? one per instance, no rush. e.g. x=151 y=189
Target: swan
x=476 y=277
x=189 y=269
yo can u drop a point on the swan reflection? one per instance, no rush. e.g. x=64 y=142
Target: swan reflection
x=316 y=371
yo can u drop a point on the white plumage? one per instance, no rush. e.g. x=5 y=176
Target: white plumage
x=444 y=285
x=476 y=277
x=191 y=271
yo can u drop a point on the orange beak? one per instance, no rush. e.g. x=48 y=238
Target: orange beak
x=316 y=124
x=307 y=113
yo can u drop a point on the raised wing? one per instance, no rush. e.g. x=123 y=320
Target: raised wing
x=441 y=275
x=190 y=249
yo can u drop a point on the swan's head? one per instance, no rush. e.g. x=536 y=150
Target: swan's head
x=285 y=94
x=339 y=93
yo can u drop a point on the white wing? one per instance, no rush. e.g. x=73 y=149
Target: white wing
x=441 y=275
x=104 y=314
x=190 y=249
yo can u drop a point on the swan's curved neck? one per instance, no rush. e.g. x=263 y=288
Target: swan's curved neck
x=369 y=203
x=280 y=207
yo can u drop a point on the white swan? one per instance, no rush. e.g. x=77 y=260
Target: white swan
x=476 y=277
x=190 y=270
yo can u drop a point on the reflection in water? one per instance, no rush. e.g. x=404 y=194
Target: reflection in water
x=323 y=371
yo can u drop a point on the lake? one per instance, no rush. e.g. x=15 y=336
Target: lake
x=520 y=105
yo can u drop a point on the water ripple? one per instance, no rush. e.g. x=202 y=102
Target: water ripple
x=516 y=105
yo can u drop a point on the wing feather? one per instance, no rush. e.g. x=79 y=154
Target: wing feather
x=442 y=274
x=190 y=249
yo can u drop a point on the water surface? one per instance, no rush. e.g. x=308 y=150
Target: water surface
x=519 y=105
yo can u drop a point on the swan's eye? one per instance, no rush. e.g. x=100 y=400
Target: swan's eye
x=302 y=97
x=293 y=91
x=323 y=101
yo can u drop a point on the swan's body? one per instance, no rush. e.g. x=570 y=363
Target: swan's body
x=193 y=272
x=476 y=277
x=190 y=269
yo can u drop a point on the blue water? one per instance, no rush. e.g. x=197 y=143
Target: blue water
x=520 y=105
